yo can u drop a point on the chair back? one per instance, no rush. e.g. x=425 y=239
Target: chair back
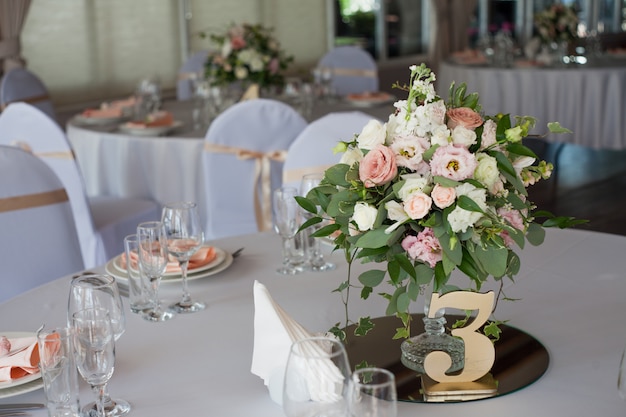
x=242 y=161
x=188 y=72
x=21 y=85
x=353 y=70
x=39 y=236
x=27 y=127
x=312 y=150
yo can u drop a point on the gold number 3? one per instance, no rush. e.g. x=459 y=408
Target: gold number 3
x=479 y=351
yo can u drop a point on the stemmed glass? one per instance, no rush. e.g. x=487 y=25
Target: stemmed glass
x=373 y=393
x=91 y=291
x=621 y=377
x=317 y=378
x=316 y=257
x=184 y=236
x=286 y=223
x=153 y=262
x=94 y=349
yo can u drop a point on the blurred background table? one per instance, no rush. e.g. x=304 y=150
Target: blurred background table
x=590 y=99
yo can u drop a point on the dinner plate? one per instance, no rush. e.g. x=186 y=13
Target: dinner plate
x=220 y=255
x=98 y=121
x=149 y=131
x=26 y=383
x=370 y=100
x=122 y=276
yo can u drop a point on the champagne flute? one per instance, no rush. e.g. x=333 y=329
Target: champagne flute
x=94 y=350
x=91 y=291
x=317 y=262
x=286 y=223
x=621 y=376
x=373 y=393
x=184 y=236
x=153 y=262
x=317 y=378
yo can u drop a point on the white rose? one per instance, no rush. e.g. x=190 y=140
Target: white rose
x=488 y=137
x=395 y=211
x=364 y=216
x=463 y=136
x=487 y=170
x=226 y=49
x=460 y=219
x=373 y=134
x=351 y=156
x=413 y=183
x=479 y=195
x=241 y=73
x=440 y=136
x=523 y=162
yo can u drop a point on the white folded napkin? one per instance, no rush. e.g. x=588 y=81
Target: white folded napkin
x=274 y=332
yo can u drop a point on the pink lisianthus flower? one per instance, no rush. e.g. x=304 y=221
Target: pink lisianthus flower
x=273 y=66
x=514 y=219
x=453 y=162
x=378 y=167
x=409 y=152
x=424 y=247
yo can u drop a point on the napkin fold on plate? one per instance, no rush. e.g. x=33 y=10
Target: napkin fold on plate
x=203 y=256
x=22 y=360
x=103 y=113
x=159 y=118
x=274 y=333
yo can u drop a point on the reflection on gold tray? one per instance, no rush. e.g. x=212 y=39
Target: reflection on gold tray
x=520 y=360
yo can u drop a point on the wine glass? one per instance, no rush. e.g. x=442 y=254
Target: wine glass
x=317 y=262
x=89 y=291
x=286 y=223
x=317 y=378
x=184 y=236
x=94 y=349
x=373 y=393
x=621 y=377
x=153 y=262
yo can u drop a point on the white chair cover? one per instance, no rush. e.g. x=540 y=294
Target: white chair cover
x=187 y=72
x=39 y=237
x=21 y=85
x=103 y=221
x=354 y=70
x=312 y=151
x=242 y=164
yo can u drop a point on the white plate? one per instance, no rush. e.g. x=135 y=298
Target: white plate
x=149 y=131
x=122 y=276
x=371 y=101
x=98 y=121
x=220 y=255
x=26 y=383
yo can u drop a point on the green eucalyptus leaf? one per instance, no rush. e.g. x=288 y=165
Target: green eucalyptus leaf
x=336 y=175
x=306 y=204
x=445 y=182
x=372 y=278
x=373 y=239
x=555 y=127
x=493 y=259
x=403 y=302
x=468 y=204
x=535 y=234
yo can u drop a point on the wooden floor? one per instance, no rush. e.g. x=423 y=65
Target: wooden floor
x=587 y=184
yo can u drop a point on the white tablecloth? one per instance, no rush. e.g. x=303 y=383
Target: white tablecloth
x=163 y=168
x=572 y=300
x=590 y=101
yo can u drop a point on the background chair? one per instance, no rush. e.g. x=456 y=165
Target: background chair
x=353 y=70
x=102 y=221
x=39 y=236
x=242 y=164
x=312 y=150
x=21 y=85
x=187 y=72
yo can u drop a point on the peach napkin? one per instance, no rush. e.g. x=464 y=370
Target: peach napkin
x=22 y=360
x=156 y=119
x=104 y=113
x=204 y=256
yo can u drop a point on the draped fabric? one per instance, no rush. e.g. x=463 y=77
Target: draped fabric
x=451 y=22
x=12 y=16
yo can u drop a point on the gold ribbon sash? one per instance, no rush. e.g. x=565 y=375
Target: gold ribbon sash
x=50 y=154
x=29 y=100
x=21 y=202
x=262 y=177
x=355 y=72
x=296 y=174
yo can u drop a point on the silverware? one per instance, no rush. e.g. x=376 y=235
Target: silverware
x=237 y=252
x=21 y=406
x=13 y=413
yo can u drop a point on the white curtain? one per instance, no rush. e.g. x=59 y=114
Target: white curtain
x=12 y=16
x=450 y=29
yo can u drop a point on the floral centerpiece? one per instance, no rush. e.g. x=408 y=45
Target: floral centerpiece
x=557 y=23
x=438 y=187
x=247 y=53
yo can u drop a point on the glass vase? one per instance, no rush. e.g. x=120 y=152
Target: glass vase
x=415 y=349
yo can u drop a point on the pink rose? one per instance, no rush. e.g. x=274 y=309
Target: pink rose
x=464 y=116
x=454 y=162
x=238 y=42
x=273 y=66
x=417 y=205
x=378 y=167
x=424 y=247
x=443 y=196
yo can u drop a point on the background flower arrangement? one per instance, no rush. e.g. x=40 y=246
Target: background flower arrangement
x=438 y=187
x=557 y=23
x=246 y=53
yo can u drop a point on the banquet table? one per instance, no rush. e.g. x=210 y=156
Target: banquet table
x=570 y=297
x=590 y=100
x=163 y=168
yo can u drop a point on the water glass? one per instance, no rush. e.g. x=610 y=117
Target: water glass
x=138 y=285
x=287 y=220
x=314 y=253
x=58 y=372
x=373 y=393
